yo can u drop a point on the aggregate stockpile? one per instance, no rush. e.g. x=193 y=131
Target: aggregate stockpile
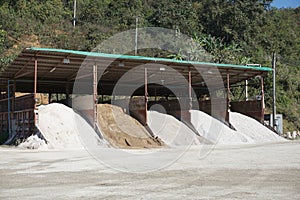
x=121 y=130
x=33 y=142
x=62 y=128
x=253 y=129
x=172 y=131
x=248 y=130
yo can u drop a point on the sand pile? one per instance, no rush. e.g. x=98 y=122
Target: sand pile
x=171 y=131
x=248 y=130
x=33 y=142
x=121 y=130
x=216 y=131
x=253 y=129
x=63 y=128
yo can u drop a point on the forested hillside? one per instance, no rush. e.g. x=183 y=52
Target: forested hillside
x=233 y=31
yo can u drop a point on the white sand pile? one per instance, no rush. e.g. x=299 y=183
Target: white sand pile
x=33 y=142
x=248 y=130
x=64 y=129
x=170 y=130
x=253 y=129
x=216 y=131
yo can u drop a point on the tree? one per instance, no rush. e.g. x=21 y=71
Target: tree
x=2 y=39
x=231 y=20
x=177 y=14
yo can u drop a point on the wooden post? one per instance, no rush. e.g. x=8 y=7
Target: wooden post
x=35 y=89
x=95 y=92
x=146 y=96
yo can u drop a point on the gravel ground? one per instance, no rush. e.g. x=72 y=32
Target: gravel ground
x=265 y=171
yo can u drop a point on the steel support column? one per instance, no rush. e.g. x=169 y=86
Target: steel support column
x=35 y=89
x=190 y=89
x=13 y=105
x=274 y=90
x=68 y=93
x=228 y=98
x=146 y=96
x=246 y=90
x=95 y=92
x=49 y=97
x=262 y=100
x=8 y=109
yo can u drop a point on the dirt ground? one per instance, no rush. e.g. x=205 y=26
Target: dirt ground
x=268 y=171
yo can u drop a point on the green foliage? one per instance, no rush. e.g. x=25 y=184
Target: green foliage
x=178 y=14
x=3 y=36
x=221 y=52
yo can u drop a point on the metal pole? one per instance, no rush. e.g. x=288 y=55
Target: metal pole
x=49 y=98
x=228 y=87
x=274 y=89
x=34 y=90
x=8 y=108
x=190 y=88
x=74 y=14
x=228 y=97
x=246 y=90
x=262 y=100
x=146 y=96
x=95 y=92
x=68 y=93
x=13 y=106
x=136 y=35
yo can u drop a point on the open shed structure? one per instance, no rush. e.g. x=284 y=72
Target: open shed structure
x=177 y=86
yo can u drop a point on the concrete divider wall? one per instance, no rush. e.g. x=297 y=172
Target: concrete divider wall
x=216 y=108
x=252 y=109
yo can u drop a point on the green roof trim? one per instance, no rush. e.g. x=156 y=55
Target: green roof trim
x=96 y=54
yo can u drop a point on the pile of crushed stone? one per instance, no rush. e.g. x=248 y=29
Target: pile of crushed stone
x=248 y=130
x=253 y=129
x=63 y=128
x=33 y=142
x=171 y=131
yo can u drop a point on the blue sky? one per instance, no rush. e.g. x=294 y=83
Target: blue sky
x=286 y=3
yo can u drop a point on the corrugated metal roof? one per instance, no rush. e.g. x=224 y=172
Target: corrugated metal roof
x=54 y=74
x=118 y=56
